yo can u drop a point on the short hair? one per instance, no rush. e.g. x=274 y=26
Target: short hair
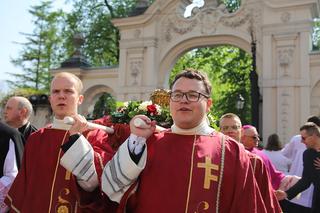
x=230 y=115
x=79 y=85
x=274 y=143
x=314 y=119
x=24 y=103
x=311 y=128
x=194 y=74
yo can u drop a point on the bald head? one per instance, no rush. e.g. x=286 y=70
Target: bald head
x=17 y=111
x=77 y=82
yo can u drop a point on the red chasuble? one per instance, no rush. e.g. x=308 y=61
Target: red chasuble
x=187 y=173
x=263 y=180
x=43 y=185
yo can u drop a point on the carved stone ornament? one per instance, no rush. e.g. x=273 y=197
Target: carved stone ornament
x=285 y=17
x=209 y=20
x=285 y=56
x=204 y=19
x=284 y=116
x=137 y=33
x=237 y=19
x=135 y=70
x=178 y=25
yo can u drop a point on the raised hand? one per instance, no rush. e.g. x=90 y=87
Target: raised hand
x=142 y=126
x=80 y=124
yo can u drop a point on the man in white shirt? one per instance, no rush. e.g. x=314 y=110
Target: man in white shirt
x=11 y=150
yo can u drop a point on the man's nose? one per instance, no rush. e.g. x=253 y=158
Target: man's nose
x=61 y=95
x=184 y=98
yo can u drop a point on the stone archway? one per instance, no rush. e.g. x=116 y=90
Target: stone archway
x=178 y=50
x=91 y=95
x=151 y=42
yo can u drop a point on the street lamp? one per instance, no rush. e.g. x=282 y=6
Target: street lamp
x=240 y=102
x=255 y=94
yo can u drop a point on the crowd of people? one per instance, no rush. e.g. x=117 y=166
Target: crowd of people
x=189 y=167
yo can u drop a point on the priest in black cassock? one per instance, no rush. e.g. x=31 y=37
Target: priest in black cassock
x=11 y=150
x=17 y=113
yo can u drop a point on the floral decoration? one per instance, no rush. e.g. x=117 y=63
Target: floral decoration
x=128 y=110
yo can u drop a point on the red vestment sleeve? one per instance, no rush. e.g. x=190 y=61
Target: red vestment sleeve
x=264 y=184
x=247 y=197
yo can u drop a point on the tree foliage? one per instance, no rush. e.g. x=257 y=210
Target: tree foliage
x=104 y=106
x=42 y=51
x=316 y=35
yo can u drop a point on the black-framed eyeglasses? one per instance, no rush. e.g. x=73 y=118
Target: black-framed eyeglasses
x=191 y=96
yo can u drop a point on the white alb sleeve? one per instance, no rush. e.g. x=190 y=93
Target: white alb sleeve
x=121 y=171
x=10 y=171
x=79 y=160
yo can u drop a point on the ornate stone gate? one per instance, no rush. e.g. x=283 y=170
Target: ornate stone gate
x=289 y=74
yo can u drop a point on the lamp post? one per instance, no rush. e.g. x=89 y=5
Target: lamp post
x=255 y=94
x=240 y=102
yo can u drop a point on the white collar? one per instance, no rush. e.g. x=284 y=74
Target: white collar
x=202 y=129
x=59 y=124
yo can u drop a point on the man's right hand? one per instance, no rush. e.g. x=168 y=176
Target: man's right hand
x=143 y=131
x=281 y=195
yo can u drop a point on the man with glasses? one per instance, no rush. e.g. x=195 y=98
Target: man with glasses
x=187 y=168
x=250 y=140
x=230 y=124
x=294 y=151
x=310 y=136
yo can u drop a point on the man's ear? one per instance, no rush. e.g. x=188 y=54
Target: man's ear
x=209 y=104
x=23 y=112
x=80 y=100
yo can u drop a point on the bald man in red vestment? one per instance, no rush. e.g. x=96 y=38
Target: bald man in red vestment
x=61 y=163
x=188 y=168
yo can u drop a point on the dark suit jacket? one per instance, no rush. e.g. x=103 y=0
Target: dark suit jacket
x=7 y=133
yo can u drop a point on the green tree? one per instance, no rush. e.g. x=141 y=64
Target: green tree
x=42 y=51
x=316 y=35
x=105 y=105
x=92 y=18
x=231 y=5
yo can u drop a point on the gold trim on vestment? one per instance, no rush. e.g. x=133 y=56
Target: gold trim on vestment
x=55 y=173
x=255 y=164
x=190 y=175
x=12 y=206
x=223 y=149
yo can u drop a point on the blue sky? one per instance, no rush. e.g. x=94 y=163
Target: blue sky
x=15 y=18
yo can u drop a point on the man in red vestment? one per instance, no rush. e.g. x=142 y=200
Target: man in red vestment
x=44 y=184
x=230 y=124
x=189 y=168
x=250 y=139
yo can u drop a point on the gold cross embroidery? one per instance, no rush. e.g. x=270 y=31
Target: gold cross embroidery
x=208 y=166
